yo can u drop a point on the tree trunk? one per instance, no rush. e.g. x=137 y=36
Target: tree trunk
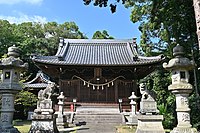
x=196 y=4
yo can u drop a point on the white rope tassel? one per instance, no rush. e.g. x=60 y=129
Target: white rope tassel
x=112 y=83
x=97 y=87
x=108 y=85
x=102 y=87
x=95 y=84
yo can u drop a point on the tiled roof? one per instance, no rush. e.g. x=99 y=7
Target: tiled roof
x=41 y=77
x=97 y=52
x=36 y=85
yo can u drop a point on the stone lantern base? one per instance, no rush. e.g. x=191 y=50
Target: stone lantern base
x=150 y=124
x=183 y=130
x=8 y=130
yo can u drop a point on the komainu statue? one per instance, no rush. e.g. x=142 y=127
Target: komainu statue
x=148 y=103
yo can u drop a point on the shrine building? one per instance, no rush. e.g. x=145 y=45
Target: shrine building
x=97 y=70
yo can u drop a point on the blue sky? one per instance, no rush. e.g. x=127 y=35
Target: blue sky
x=88 y=18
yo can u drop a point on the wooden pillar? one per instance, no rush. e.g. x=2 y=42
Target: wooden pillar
x=89 y=94
x=116 y=91
x=60 y=86
x=78 y=90
x=106 y=93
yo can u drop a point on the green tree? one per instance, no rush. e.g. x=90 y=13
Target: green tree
x=102 y=35
x=25 y=101
x=7 y=37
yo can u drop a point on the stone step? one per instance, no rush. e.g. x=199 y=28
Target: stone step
x=100 y=114
x=101 y=110
x=98 y=118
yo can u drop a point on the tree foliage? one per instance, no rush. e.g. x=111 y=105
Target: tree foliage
x=25 y=101
x=104 y=3
x=102 y=35
x=35 y=38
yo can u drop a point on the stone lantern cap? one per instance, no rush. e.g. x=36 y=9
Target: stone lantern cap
x=13 y=51
x=133 y=96
x=12 y=61
x=61 y=96
x=178 y=51
x=179 y=61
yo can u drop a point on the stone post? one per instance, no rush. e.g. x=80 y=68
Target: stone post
x=9 y=86
x=179 y=67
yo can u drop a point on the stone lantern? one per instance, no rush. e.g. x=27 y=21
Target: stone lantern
x=179 y=67
x=133 y=99
x=11 y=68
x=61 y=120
x=133 y=117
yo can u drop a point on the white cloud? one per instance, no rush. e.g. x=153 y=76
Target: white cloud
x=24 y=18
x=11 y=2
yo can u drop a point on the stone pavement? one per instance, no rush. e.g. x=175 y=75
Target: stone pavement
x=98 y=128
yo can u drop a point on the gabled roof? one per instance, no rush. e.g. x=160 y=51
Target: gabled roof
x=93 y=52
x=40 y=81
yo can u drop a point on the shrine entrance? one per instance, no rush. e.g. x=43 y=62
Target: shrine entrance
x=91 y=94
x=84 y=93
x=97 y=95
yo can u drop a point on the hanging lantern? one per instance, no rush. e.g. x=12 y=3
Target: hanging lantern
x=88 y=85
x=84 y=83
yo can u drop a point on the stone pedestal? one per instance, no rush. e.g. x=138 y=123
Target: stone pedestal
x=150 y=124
x=43 y=124
x=132 y=120
x=7 y=112
x=182 y=108
x=42 y=119
x=61 y=122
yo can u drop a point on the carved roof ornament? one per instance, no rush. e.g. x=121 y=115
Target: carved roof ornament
x=179 y=62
